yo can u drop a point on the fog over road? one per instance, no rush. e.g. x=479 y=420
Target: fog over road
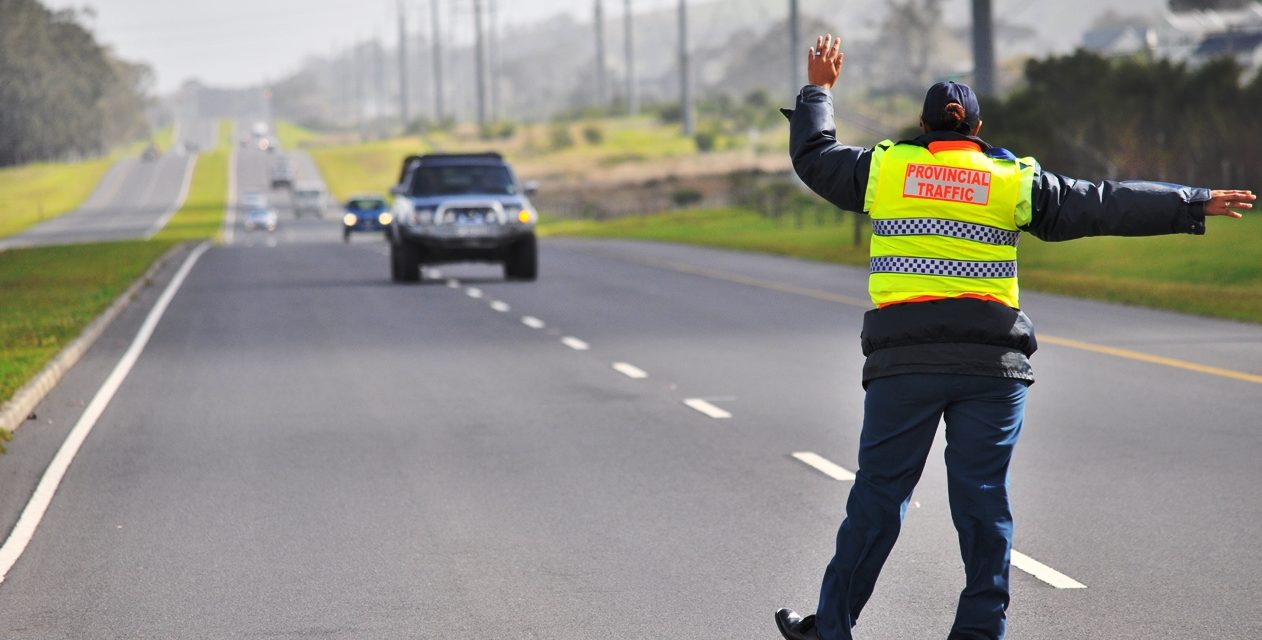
x=306 y=449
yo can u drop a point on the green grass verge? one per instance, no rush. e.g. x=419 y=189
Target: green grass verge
x=201 y=216
x=52 y=293
x=32 y=193
x=368 y=167
x=292 y=136
x=1219 y=274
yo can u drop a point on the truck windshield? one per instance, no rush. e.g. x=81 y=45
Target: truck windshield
x=458 y=179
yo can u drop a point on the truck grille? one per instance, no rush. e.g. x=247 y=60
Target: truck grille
x=469 y=215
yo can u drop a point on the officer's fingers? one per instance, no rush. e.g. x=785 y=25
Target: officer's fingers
x=828 y=46
x=841 y=57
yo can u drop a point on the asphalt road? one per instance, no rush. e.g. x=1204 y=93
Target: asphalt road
x=306 y=450
x=132 y=201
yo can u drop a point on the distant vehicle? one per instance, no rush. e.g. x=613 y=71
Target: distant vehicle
x=253 y=200
x=261 y=219
x=191 y=147
x=265 y=144
x=309 y=197
x=461 y=207
x=150 y=153
x=366 y=212
x=259 y=129
x=282 y=176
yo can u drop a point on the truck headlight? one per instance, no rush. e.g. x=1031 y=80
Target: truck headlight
x=525 y=216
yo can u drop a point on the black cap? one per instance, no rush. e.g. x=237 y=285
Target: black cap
x=944 y=93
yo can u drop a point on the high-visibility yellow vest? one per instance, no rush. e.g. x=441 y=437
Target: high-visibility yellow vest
x=945 y=222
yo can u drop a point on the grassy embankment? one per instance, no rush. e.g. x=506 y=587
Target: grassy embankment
x=51 y=293
x=1219 y=274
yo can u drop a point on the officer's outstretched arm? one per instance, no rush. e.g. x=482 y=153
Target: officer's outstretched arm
x=1065 y=208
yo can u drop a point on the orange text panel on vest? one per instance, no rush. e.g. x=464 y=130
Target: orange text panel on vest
x=950 y=184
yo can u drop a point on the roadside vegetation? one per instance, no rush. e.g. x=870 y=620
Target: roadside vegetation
x=52 y=293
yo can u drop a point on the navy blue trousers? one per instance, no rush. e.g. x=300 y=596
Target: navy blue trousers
x=983 y=418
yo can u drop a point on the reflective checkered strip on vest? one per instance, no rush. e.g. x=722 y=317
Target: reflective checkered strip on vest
x=945 y=222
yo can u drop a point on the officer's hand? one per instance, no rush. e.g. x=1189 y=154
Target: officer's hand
x=1221 y=202
x=823 y=63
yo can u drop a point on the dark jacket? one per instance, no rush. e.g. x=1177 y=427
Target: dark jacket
x=965 y=336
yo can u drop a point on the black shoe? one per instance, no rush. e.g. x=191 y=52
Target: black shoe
x=795 y=627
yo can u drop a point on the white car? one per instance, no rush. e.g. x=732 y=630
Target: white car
x=309 y=197
x=260 y=219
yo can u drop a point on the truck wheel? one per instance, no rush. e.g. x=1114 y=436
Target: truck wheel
x=523 y=260
x=405 y=263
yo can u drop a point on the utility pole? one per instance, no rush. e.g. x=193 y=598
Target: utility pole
x=633 y=98
x=357 y=67
x=493 y=56
x=602 y=96
x=404 y=116
x=436 y=30
x=685 y=72
x=479 y=56
x=795 y=43
x=983 y=48
x=379 y=77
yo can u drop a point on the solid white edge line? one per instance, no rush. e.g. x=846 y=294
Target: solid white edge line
x=500 y=306
x=629 y=370
x=707 y=408
x=532 y=322
x=575 y=343
x=824 y=466
x=38 y=503
x=474 y=292
x=1044 y=572
x=179 y=200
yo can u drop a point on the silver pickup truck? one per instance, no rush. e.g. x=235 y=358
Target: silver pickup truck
x=458 y=208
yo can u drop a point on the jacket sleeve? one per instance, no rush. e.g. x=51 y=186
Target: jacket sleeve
x=838 y=173
x=1064 y=208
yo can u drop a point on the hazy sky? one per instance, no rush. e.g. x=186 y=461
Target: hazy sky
x=241 y=42
x=236 y=42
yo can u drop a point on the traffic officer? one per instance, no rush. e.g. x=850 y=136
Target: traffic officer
x=947 y=339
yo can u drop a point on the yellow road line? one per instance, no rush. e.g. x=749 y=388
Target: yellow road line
x=829 y=296
x=1151 y=358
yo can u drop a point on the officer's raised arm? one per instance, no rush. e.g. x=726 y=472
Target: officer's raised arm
x=838 y=173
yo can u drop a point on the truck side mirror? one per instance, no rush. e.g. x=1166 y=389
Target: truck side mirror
x=398 y=190
x=531 y=187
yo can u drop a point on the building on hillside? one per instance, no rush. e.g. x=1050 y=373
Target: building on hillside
x=1195 y=37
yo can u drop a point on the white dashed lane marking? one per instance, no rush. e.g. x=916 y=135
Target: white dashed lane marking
x=707 y=408
x=500 y=306
x=1019 y=560
x=532 y=322
x=1044 y=572
x=474 y=292
x=629 y=370
x=575 y=343
x=824 y=466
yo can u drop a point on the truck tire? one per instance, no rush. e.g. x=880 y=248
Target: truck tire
x=405 y=262
x=523 y=260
